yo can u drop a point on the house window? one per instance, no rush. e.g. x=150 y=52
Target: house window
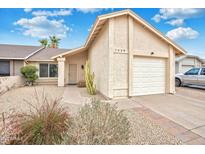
x=4 y=68
x=53 y=70
x=203 y=71
x=48 y=70
x=193 y=71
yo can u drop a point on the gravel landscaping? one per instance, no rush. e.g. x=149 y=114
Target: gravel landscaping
x=144 y=130
x=147 y=132
x=17 y=99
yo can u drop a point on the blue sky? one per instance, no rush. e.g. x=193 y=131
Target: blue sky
x=27 y=26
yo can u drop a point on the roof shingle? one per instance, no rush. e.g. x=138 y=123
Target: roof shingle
x=30 y=53
x=16 y=51
x=46 y=54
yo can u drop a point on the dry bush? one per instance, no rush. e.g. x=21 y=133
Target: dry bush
x=99 y=123
x=45 y=123
x=10 y=127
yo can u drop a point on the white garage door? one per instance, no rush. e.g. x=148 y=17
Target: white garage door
x=149 y=76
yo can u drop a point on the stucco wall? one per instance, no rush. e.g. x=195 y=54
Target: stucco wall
x=146 y=42
x=99 y=60
x=10 y=82
x=111 y=55
x=141 y=42
x=120 y=57
x=79 y=59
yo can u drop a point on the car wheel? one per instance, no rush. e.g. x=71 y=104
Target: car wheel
x=177 y=82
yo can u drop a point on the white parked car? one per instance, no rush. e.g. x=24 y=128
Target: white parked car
x=195 y=76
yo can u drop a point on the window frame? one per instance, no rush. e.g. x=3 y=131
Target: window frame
x=48 y=77
x=202 y=70
x=9 y=73
x=49 y=66
x=192 y=69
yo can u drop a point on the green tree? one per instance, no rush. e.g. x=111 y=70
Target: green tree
x=44 y=42
x=29 y=72
x=54 y=41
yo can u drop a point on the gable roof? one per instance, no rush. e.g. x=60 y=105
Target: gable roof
x=100 y=21
x=20 y=52
x=28 y=53
x=178 y=59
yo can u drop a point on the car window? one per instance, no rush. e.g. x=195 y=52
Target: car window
x=203 y=71
x=193 y=71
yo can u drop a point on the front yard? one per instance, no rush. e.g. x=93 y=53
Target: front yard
x=18 y=99
x=144 y=130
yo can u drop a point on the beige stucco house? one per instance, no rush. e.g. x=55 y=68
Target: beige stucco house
x=128 y=56
x=186 y=62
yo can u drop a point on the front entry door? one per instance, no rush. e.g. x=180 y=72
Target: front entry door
x=72 y=73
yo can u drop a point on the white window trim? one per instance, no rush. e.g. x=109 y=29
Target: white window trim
x=48 y=71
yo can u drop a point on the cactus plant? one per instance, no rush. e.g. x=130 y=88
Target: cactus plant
x=89 y=79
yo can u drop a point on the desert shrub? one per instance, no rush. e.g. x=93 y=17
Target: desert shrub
x=89 y=80
x=99 y=123
x=46 y=125
x=29 y=72
x=10 y=128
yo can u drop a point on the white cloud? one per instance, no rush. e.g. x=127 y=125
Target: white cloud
x=89 y=29
x=182 y=33
x=89 y=10
x=55 y=13
x=156 y=18
x=27 y=10
x=178 y=13
x=42 y=27
x=176 y=22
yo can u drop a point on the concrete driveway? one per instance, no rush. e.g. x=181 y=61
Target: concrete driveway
x=186 y=107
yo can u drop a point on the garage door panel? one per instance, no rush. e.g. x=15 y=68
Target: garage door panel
x=148 y=69
x=144 y=80
x=156 y=71
x=158 y=84
x=148 y=76
x=151 y=90
x=147 y=65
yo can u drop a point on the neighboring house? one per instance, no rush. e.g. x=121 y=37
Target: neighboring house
x=186 y=62
x=128 y=56
x=13 y=57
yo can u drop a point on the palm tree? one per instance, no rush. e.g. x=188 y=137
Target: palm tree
x=54 y=41
x=44 y=42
